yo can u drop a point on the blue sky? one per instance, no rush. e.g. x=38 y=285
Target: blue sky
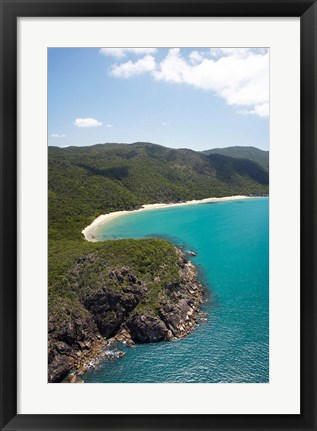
x=198 y=98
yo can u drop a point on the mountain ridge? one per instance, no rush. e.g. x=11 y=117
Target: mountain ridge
x=247 y=152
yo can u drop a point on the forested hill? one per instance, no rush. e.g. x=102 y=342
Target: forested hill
x=250 y=153
x=87 y=181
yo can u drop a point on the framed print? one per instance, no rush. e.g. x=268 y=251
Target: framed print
x=158 y=194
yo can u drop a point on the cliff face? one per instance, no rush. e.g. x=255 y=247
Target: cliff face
x=120 y=308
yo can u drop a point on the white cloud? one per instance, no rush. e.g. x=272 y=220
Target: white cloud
x=260 y=110
x=58 y=135
x=165 y=123
x=130 y=68
x=122 y=52
x=87 y=122
x=109 y=126
x=196 y=57
x=240 y=76
x=236 y=52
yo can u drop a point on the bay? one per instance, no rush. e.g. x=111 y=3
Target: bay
x=231 y=242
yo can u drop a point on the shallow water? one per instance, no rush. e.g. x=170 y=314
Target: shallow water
x=231 y=240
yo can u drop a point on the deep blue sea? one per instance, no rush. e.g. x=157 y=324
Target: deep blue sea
x=231 y=240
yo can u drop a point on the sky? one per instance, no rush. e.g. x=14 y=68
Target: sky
x=198 y=98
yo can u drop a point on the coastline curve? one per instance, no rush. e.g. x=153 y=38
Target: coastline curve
x=89 y=231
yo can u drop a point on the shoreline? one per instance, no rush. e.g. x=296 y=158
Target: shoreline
x=103 y=219
x=176 y=314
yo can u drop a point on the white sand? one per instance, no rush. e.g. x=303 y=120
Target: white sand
x=90 y=230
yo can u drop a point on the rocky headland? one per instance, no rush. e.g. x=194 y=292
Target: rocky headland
x=116 y=308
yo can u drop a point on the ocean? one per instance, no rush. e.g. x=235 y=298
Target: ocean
x=231 y=242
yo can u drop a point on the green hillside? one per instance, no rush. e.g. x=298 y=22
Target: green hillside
x=87 y=181
x=250 y=153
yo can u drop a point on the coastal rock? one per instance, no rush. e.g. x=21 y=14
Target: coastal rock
x=51 y=327
x=59 y=369
x=110 y=307
x=146 y=328
x=176 y=318
x=66 y=342
x=68 y=333
x=77 y=342
x=170 y=336
x=73 y=378
x=124 y=337
x=62 y=347
x=108 y=323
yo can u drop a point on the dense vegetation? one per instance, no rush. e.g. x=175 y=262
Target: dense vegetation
x=250 y=153
x=87 y=181
x=84 y=182
x=147 y=259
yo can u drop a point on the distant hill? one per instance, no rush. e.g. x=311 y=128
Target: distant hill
x=87 y=181
x=249 y=153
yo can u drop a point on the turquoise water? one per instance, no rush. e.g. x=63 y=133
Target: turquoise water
x=231 y=240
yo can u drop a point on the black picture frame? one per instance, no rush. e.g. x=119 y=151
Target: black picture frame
x=10 y=11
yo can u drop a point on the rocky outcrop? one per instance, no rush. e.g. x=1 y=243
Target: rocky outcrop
x=146 y=328
x=67 y=342
x=111 y=307
x=59 y=368
x=121 y=311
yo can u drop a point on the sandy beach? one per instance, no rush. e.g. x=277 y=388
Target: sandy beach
x=89 y=231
